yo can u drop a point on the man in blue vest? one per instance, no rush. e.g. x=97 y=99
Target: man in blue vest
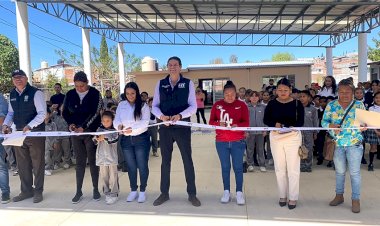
x=27 y=110
x=174 y=99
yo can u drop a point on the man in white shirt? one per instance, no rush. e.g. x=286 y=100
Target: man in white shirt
x=27 y=110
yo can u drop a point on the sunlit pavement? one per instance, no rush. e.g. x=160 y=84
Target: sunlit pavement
x=316 y=190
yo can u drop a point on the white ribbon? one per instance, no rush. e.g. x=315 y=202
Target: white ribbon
x=181 y=123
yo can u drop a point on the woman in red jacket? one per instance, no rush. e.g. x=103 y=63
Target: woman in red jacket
x=230 y=112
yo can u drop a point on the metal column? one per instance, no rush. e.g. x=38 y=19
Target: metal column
x=362 y=57
x=23 y=38
x=86 y=54
x=329 y=61
x=120 y=54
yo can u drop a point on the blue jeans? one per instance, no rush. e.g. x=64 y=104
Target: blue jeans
x=353 y=156
x=4 y=176
x=136 y=155
x=226 y=151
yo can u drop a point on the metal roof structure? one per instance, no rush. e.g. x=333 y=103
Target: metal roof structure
x=194 y=67
x=312 y=23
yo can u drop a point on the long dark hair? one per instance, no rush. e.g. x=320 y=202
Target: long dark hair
x=138 y=101
x=333 y=84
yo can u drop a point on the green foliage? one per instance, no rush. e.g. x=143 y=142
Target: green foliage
x=374 y=53
x=51 y=80
x=283 y=56
x=9 y=61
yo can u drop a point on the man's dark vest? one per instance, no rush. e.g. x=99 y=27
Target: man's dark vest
x=24 y=108
x=174 y=100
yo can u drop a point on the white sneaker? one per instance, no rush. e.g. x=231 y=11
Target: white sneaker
x=56 y=166
x=66 y=166
x=107 y=198
x=270 y=162
x=263 y=169
x=111 y=200
x=250 y=168
x=240 y=198
x=132 y=196
x=226 y=198
x=142 y=197
x=48 y=172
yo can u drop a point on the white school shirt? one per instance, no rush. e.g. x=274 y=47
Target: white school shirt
x=125 y=116
x=325 y=92
x=375 y=108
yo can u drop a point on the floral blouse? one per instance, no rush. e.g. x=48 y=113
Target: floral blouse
x=334 y=114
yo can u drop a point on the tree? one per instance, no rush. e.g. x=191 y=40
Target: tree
x=216 y=61
x=283 y=56
x=9 y=61
x=374 y=53
x=233 y=59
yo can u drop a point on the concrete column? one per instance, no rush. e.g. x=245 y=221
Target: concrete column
x=329 y=61
x=362 y=57
x=86 y=54
x=23 y=38
x=120 y=54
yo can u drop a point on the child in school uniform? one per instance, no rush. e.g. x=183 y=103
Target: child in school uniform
x=106 y=158
x=51 y=147
x=319 y=142
x=359 y=96
x=373 y=136
x=308 y=137
x=255 y=139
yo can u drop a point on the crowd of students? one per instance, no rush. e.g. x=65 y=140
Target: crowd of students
x=83 y=110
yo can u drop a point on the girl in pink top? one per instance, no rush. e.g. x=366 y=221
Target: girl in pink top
x=200 y=97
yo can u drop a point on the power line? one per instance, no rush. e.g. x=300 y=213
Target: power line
x=68 y=41
x=38 y=37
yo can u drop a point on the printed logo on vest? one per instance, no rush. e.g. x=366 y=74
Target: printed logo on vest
x=26 y=98
x=181 y=85
x=165 y=86
x=13 y=99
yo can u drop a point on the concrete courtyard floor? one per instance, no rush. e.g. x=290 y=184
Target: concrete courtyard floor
x=316 y=190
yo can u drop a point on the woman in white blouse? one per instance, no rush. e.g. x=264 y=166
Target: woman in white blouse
x=329 y=87
x=132 y=116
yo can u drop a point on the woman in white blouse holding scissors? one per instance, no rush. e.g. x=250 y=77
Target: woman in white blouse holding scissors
x=132 y=116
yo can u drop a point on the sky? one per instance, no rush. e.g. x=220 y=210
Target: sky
x=48 y=34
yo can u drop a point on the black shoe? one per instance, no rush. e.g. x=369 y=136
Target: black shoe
x=282 y=204
x=96 y=195
x=370 y=167
x=303 y=170
x=77 y=198
x=292 y=206
x=22 y=196
x=5 y=198
x=161 y=199
x=194 y=200
x=329 y=165
x=320 y=162
x=308 y=170
x=37 y=197
x=364 y=161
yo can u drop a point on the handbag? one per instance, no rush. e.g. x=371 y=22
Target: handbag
x=303 y=152
x=330 y=144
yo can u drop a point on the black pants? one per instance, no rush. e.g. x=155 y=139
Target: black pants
x=85 y=148
x=153 y=133
x=319 y=143
x=182 y=136
x=201 y=111
x=31 y=160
